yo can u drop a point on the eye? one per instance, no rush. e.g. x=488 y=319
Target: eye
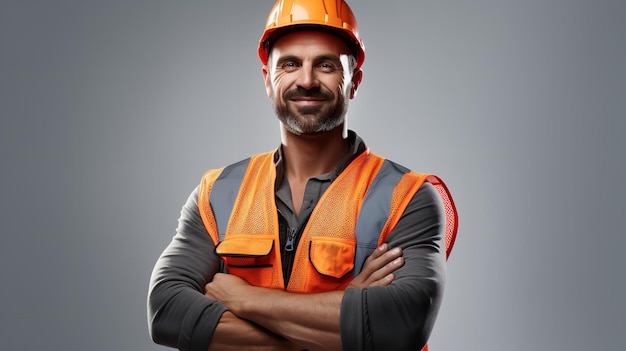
x=327 y=67
x=289 y=65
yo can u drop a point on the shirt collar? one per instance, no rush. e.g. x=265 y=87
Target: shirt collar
x=357 y=146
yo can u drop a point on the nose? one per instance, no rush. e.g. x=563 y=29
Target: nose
x=307 y=78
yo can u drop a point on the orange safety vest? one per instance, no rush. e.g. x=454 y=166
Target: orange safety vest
x=352 y=218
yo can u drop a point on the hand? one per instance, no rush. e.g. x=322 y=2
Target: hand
x=379 y=267
x=228 y=289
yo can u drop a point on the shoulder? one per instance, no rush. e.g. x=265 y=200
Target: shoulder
x=427 y=195
x=241 y=164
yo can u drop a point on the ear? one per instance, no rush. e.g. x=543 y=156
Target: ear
x=268 y=83
x=357 y=76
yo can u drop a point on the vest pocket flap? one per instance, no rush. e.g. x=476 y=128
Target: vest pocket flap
x=245 y=246
x=333 y=258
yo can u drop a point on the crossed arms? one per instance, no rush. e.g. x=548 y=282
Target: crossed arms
x=295 y=321
x=193 y=307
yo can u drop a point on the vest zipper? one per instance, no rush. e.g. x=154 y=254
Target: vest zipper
x=288 y=254
x=290 y=239
x=290 y=249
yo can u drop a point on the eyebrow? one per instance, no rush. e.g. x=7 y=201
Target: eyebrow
x=283 y=59
x=332 y=58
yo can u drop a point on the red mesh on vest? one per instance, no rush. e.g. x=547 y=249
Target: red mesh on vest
x=452 y=222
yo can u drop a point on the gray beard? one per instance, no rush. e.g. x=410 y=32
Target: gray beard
x=311 y=120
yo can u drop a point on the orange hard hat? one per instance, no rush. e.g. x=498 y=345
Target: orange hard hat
x=334 y=16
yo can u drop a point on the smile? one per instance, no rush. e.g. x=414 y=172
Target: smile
x=307 y=101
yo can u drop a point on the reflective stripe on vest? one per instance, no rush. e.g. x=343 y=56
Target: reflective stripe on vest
x=370 y=195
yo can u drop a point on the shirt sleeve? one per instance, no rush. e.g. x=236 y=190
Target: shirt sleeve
x=179 y=315
x=401 y=316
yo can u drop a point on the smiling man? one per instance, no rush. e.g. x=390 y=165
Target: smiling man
x=317 y=245
x=311 y=81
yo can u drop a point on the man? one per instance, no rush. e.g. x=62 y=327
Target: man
x=319 y=245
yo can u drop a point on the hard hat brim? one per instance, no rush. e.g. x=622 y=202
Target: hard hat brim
x=271 y=37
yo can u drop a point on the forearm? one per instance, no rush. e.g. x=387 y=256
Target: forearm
x=235 y=334
x=308 y=320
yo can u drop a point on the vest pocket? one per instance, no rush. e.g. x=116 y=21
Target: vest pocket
x=332 y=257
x=246 y=252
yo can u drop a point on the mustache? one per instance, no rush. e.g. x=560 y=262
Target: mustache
x=310 y=93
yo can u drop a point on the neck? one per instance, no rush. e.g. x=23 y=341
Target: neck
x=308 y=156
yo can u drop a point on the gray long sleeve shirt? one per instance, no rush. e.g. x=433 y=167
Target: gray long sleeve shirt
x=397 y=317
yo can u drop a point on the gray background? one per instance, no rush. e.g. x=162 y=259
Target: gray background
x=112 y=110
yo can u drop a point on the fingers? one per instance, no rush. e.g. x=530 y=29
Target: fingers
x=385 y=276
x=381 y=257
x=379 y=267
x=378 y=252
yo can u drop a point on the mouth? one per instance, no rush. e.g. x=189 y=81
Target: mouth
x=307 y=100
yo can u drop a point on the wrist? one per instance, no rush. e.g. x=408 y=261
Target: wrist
x=256 y=302
x=244 y=303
